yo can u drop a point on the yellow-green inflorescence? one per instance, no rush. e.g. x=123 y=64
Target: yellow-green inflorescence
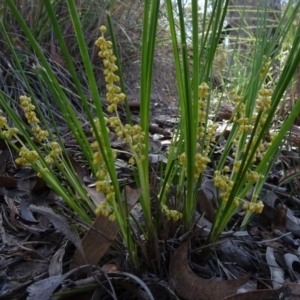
x=31 y=156
x=224 y=179
x=29 y=110
x=103 y=180
x=114 y=95
x=26 y=155
x=6 y=131
x=265 y=68
x=131 y=134
x=171 y=214
x=205 y=134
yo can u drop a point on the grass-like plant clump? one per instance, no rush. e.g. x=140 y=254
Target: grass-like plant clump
x=251 y=143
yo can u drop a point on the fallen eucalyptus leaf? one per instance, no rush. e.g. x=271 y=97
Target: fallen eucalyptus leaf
x=96 y=242
x=44 y=289
x=191 y=287
x=292 y=223
x=230 y=251
x=289 y=291
x=26 y=213
x=204 y=205
x=277 y=274
x=60 y=224
x=55 y=266
x=8 y=182
x=292 y=262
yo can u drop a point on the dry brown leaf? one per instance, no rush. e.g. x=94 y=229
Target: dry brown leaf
x=3 y=144
x=96 y=244
x=14 y=213
x=108 y=268
x=289 y=174
x=279 y=222
x=31 y=185
x=8 y=182
x=191 y=287
x=205 y=206
x=225 y=112
x=289 y=291
x=268 y=238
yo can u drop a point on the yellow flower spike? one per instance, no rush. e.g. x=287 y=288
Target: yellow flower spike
x=3 y=122
x=224 y=197
x=236 y=166
x=97 y=158
x=8 y=134
x=182 y=159
x=137 y=129
x=230 y=183
x=237 y=99
x=135 y=148
x=101 y=174
x=259 y=207
x=24 y=100
x=131 y=161
x=245 y=206
x=122 y=96
x=111 y=108
x=136 y=138
x=99 y=186
x=251 y=207
x=42 y=135
x=113 y=68
x=49 y=160
x=175 y=215
x=226 y=169
x=103 y=205
x=116 y=78
x=54 y=145
x=98 y=211
x=105 y=213
x=110 y=197
x=99 y=42
x=236 y=202
x=109 y=44
x=113 y=58
x=32 y=156
x=36 y=129
x=203 y=90
x=95 y=145
x=21 y=161
x=112 y=218
x=102 y=29
x=30 y=107
x=119 y=132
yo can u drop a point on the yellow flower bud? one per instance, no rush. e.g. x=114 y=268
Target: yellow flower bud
x=102 y=29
